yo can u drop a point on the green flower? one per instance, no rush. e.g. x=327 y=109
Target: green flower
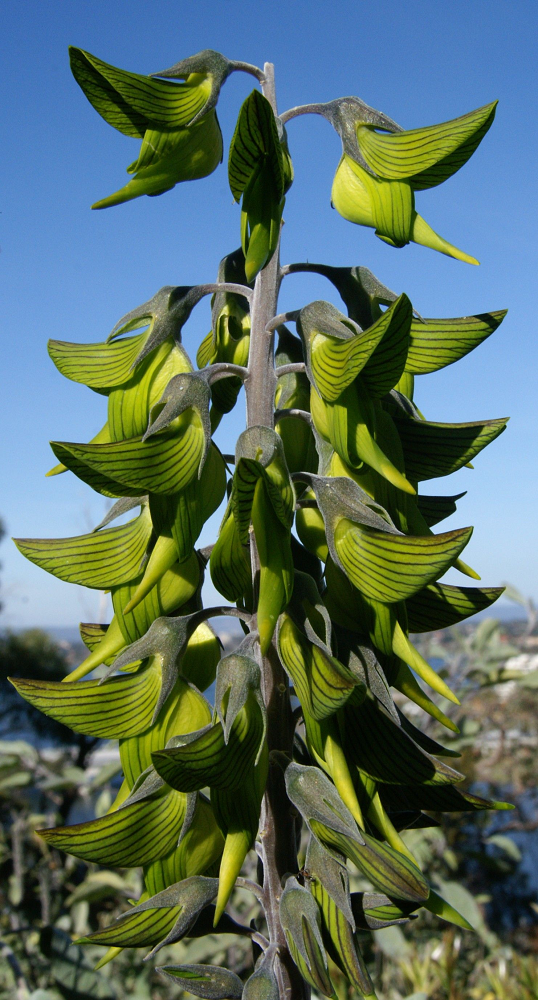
x=167 y=158
x=375 y=182
x=181 y=137
x=260 y=171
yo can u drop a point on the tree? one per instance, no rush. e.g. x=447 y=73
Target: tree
x=335 y=445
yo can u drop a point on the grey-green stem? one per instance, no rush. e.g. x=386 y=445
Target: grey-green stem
x=245 y=67
x=302 y=109
x=277 y=822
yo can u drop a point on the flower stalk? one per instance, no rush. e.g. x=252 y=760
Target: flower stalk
x=278 y=835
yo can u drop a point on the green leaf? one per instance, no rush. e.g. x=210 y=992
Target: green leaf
x=165 y=464
x=131 y=102
x=123 y=706
x=506 y=845
x=98 y=886
x=439 y=605
x=101 y=559
x=388 y=567
x=435 y=449
x=130 y=836
x=208 y=981
x=436 y=343
x=394 y=945
x=425 y=156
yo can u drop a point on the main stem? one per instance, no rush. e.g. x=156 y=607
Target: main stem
x=277 y=824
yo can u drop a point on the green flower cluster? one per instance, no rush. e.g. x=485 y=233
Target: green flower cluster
x=331 y=606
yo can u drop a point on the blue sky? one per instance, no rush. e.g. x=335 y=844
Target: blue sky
x=71 y=273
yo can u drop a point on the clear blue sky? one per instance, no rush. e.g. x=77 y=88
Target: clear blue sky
x=71 y=273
